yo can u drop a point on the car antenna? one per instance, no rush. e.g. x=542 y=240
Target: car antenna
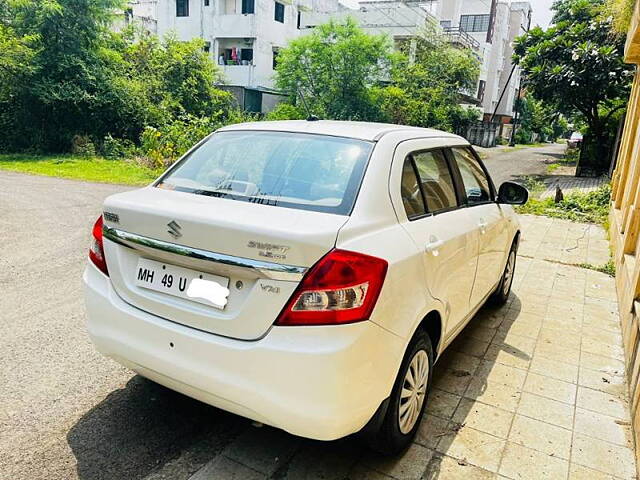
x=310 y=117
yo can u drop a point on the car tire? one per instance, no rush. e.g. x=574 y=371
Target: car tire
x=501 y=295
x=398 y=427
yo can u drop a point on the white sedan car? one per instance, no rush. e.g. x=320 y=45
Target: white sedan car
x=304 y=274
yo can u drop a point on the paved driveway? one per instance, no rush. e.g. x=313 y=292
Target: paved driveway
x=532 y=390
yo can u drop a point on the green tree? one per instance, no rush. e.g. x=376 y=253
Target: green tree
x=577 y=66
x=427 y=82
x=334 y=69
x=537 y=117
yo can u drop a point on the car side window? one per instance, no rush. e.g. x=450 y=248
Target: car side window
x=410 y=191
x=476 y=183
x=436 y=180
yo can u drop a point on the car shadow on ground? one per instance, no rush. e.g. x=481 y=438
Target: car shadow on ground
x=147 y=431
x=142 y=426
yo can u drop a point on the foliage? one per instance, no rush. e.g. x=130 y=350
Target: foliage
x=539 y=118
x=576 y=66
x=426 y=82
x=334 y=69
x=344 y=74
x=72 y=77
x=94 y=169
x=162 y=145
x=286 y=111
x=621 y=13
x=608 y=268
x=592 y=207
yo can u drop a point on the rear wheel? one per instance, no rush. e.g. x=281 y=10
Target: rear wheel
x=408 y=398
x=501 y=295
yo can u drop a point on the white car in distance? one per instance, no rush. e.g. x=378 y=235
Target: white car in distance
x=304 y=274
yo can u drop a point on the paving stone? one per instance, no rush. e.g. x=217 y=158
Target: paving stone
x=603 y=364
x=263 y=449
x=483 y=417
x=442 y=467
x=546 y=410
x=409 y=466
x=602 y=402
x=506 y=355
x=578 y=472
x=430 y=431
x=442 y=404
x=474 y=447
x=602 y=348
x=223 y=467
x=609 y=382
x=327 y=461
x=603 y=427
x=550 y=388
x=524 y=463
x=452 y=380
x=603 y=456
x=499 y=395
x=543 y=437
x=566 y=355
x=551 y=368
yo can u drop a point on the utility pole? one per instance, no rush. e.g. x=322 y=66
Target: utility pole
x=515 y=117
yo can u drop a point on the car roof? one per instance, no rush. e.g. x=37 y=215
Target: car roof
x=361 y=130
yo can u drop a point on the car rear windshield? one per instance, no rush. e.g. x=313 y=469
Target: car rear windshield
x=295 y=170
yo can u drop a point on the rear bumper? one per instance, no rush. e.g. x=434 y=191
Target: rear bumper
x=316 y=382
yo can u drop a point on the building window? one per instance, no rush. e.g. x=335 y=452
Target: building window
x=207 y=47
x=248 y=6
x=481 y=86
x=246 y=56
x=182 y=8
x=275 y=58
x=206 y=3
x=299 y=21
x=445 y=23
x=474 y=23
x=279 y=13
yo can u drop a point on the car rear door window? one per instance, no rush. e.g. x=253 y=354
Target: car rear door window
x=410 y=191
x=476 y=183
x=436 y=180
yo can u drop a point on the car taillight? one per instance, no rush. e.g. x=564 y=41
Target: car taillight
x=96 y=252
x=342 y=287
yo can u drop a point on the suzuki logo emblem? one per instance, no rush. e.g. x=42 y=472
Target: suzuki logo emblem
x=174 y=229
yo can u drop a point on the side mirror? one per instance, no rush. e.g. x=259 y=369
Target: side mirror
x=512 y=194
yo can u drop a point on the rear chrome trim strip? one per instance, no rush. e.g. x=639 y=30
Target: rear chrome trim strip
x=273 y=271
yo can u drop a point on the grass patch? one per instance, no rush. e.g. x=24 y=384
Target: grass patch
x=609 y=268
x=591 y=207
x=552 y=167
x=92 y=169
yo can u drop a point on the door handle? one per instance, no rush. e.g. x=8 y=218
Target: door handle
x=433 y=245
x=482 y=224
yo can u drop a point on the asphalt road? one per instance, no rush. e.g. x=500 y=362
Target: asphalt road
x=65 y=411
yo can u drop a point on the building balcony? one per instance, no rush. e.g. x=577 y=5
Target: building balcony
x=241 y=75
x=457 y=36
x=234 y=25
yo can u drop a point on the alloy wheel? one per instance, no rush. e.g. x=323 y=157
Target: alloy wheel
x=414 y=389
x=508 y=273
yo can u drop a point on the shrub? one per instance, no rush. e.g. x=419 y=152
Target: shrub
x=286 y=111
x=114 y=148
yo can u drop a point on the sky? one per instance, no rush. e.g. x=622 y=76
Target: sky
x=541 y=12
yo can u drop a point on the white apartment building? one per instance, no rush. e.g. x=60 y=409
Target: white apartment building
x=494 y=24
x=242 y=36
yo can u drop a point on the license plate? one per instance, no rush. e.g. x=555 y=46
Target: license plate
x=181 y=282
